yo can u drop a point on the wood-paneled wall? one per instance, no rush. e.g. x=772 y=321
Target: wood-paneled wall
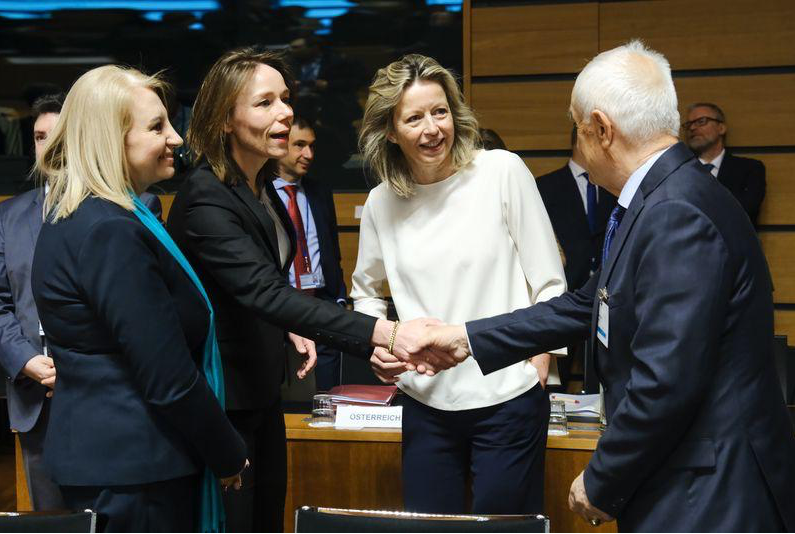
x=521 y=59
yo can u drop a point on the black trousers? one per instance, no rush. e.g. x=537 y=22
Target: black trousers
x=502 y=447
x=259 y=505
x=167 y=506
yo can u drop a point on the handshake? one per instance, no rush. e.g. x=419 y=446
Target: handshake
x=424 y=345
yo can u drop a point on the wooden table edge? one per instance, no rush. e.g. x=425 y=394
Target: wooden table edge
x=298 y=429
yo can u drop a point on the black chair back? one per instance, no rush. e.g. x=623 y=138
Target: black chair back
x=85 y=521
x=314 y=519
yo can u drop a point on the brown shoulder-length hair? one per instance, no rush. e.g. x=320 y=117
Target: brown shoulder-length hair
x=385 y=159
x=215 y=103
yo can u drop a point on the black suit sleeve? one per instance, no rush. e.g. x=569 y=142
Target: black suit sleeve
x=250 y=276
x=121 y=278
x=754 y=192
x=680 y=309
x=503 y=340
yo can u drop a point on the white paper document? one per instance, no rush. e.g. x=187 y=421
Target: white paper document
x=579 y=404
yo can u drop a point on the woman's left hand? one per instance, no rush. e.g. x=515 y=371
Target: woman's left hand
x=305 y=348
x=541 y=363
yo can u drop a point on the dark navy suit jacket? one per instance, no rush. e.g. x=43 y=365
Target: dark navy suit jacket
x=321 y=202
x=698 y=437
x=745 y=178
x=20 y=222
x=126 y=328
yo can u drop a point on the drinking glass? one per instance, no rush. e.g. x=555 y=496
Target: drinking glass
x=558 y=423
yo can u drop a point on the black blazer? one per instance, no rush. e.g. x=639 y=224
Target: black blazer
x=230 y=239
x=126 y=329
x=321 y=202
x=563 y=202
x=698 y=437
x=745 y=178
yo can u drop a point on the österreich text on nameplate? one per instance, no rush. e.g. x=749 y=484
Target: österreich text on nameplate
x=352 y=416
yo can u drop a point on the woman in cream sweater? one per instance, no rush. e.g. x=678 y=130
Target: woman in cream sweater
x=458 y=233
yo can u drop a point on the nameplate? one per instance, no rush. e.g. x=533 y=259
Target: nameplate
x=350 y=416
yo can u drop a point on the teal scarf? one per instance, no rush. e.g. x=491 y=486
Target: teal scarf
x=212 y=507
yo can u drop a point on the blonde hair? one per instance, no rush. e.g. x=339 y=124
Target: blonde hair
x=386 y=159
x=85 y=153
x=215 y=103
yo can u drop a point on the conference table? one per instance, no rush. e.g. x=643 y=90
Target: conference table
x=361 y=469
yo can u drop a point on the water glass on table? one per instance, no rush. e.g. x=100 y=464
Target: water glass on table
x=324 y=411
x=558 y=422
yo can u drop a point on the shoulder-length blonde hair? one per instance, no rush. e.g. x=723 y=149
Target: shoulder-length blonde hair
x=215 y=103
x=85 y=153
x=386 y=159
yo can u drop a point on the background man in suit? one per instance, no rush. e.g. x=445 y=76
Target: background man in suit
x=705 y=134
x=578 y=210
x=681 y=314
x=29 y=372
x=316 y=267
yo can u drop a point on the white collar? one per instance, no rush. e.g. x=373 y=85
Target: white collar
x=576 y=170
x=279 y=183
x=716 y=163
x=635 y=179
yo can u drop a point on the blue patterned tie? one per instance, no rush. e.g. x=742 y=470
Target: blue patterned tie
x=612 y=226
x=591 y=202
x=708 y=167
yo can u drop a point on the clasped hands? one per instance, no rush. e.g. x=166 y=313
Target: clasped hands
x=41 y=368
x=424 y=345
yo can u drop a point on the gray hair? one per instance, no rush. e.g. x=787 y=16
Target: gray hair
x=632 y=85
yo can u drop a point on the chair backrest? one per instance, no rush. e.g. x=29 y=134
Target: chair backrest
x=316 y=519
x=63 y=521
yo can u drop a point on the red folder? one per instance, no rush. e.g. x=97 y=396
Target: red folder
x=359 y=394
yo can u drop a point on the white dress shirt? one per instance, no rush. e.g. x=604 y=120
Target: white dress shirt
x=474 y=245
x=310 y=229
x=580 y=177
x=716 y=163
x=635 y=179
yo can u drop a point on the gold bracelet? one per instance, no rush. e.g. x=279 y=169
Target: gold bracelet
x=392 y=337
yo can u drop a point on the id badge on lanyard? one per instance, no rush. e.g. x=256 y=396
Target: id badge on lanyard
x=43 y=338
x=603 y=324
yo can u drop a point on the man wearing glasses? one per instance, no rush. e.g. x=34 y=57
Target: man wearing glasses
x=705 y=134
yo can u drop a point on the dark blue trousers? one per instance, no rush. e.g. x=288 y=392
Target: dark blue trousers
x=501 y=446
x=167 y=506
x=328 y=371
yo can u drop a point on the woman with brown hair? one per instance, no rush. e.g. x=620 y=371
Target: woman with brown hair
x=238 y=236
